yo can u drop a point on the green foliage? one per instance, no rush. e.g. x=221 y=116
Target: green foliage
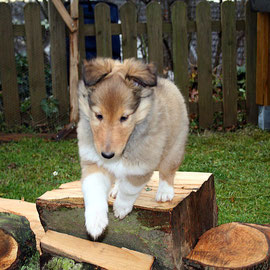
x=59 y=263
x=50 y=106
x=32 y=263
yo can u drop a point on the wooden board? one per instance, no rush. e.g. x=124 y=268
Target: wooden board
x=35 y=58
x=232 y=246
x=27 y=210
x=263 y=58
x=251 y=56
x=8 y=71
x=180 y=47
x=229 y=72
x=59 y=61
x=154 y=34
x=128 y=16
x=103 y=30
x=166 y=231
x=99 y=254
x=204 y=51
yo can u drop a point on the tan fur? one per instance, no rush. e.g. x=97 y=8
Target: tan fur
x=155 y=132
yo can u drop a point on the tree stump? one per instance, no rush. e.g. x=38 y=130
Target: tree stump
x=232 y=246
x=167 y=231
x=17 y=241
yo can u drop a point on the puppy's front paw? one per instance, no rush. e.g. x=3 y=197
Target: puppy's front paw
x=165 y=192
x=121 y=208
x=96 y=222
x=114 y=190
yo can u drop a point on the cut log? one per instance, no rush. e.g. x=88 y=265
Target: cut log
x=17 y=241
x=27 y=210
x=167 y=231
x=232 y=246
x=94 y=253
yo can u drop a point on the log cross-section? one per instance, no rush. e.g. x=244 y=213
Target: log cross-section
x=167 y=231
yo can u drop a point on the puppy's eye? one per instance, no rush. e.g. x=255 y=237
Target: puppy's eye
x=99 y=116
x=123 y=118
x=136 y=84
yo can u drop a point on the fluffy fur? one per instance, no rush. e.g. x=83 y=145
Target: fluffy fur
x=131 y=123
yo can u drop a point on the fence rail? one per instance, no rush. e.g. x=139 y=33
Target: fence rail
x=155 y=28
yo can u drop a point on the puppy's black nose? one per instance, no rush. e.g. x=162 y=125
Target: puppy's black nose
x=107 y=155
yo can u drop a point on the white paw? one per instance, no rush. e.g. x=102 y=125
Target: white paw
x=96 y=221
x=121 y=208
x=165 y=192
x=114 y=190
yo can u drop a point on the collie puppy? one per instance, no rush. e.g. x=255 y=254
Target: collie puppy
x=131 y=123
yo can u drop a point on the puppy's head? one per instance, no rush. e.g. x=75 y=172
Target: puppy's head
x=115 y=97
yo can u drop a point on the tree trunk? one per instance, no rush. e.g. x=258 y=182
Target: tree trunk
x=167 y=231
x=17 y=241
x=232 y=246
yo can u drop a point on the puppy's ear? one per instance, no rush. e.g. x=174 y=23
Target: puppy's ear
x=143 y=74
x=95 y=70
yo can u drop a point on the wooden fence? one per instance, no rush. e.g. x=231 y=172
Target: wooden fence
x=155 y=28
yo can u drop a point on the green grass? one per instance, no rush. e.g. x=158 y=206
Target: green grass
x=240 y=162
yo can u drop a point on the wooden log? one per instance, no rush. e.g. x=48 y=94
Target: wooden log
x=29 y=211
x=94 y=253
x=17 y=241
x=167 y=231
x=232 y=246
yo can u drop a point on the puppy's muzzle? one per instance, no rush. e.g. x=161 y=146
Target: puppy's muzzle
x=107 y=155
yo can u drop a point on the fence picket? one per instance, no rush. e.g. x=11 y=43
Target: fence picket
x=251 y=57
x=128 y=16
x=229 y=63
x=103 y=30
x=204 y=52
x=154 y=33
x=35 y=57
x=8 y=71
x=59 y=61
x=180 y=47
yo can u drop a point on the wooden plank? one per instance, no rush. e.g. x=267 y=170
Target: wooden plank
x=204 y=52
x=35 y=58
x=99 y=254
x=263 y=58
x=82 y=52
x=154 y=34
x=103 y=30
x=74 y=64
x=128 y=17
x=59 y=61
x=180 y=47
x=27 y=210
x=250 y=54
x=64 y=15
x=8 y=71
x=229 y=64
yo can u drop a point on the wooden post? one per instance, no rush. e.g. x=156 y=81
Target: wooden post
x=229 y=64
x=263 y=60
x=8 y=71
x=251 y=50
x=74 y=63
x=180 y=47
x=154 y=33
x=35 y=57
x=205 y=87
x=128 y=15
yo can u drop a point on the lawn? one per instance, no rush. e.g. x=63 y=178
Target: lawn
x=240 y=162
